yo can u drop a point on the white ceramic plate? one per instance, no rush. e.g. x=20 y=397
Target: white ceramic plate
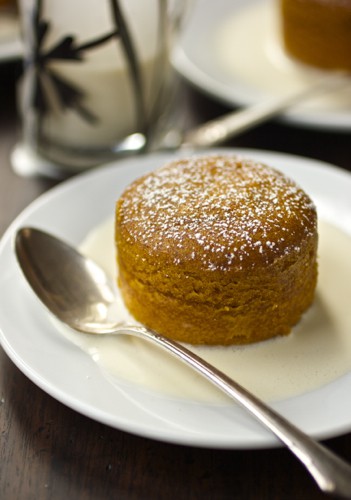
x=10 y=43
x=232 y=50
x=65 y=372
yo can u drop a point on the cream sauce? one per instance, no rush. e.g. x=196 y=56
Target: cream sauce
x=315 y=353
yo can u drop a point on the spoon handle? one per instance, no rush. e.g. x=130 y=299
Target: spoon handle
x=331 y=473
x=229 y=125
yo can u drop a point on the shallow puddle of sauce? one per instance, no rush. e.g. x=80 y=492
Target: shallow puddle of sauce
x=317 y=351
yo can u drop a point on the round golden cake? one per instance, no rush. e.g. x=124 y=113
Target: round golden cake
x=318 y=32
x=216 y=250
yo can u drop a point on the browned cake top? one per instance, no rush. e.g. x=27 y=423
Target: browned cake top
x=218 y=212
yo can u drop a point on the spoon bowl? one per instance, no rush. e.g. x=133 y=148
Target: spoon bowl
x=72 y=287
x=78 y=292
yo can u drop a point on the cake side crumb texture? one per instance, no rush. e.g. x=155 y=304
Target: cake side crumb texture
x=216 y=250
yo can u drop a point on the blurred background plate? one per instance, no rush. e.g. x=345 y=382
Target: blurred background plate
x=232 y=50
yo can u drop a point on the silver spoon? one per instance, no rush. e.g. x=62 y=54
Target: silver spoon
x=80 y=295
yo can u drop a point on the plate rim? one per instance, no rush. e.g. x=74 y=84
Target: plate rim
x=11 y=47
x=264 y=440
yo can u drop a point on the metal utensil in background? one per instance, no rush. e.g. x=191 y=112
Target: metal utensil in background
x=234 y=123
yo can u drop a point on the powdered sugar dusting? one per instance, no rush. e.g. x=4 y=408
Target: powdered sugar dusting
x=221 y=211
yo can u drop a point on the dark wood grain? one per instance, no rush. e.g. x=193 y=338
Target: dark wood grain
x=49 y=452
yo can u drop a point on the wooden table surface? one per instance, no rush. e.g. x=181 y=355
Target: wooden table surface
x=48 y=451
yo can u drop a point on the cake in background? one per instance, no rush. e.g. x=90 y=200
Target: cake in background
x=318 y=32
